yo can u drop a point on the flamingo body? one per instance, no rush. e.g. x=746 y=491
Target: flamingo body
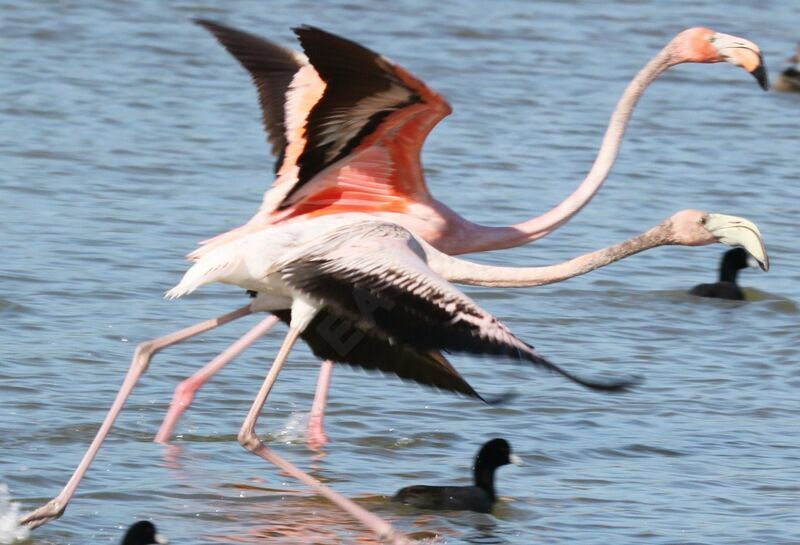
x=373 y=274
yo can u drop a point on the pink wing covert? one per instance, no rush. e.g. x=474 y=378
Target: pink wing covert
x=364 y=136
x=353 y=125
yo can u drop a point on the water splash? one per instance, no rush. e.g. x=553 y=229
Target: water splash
x=10 y=530
x=294 y=431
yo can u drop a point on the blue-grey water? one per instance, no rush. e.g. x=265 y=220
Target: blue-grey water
x=128 y=134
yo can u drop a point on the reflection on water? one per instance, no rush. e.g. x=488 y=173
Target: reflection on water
x=773 y=302
x=776 y=303
x=289 y=519
x=129 y=134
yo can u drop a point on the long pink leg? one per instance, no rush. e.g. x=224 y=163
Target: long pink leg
x=141 y=359
x=316 y=425
x=249 y=440
x=185 y=391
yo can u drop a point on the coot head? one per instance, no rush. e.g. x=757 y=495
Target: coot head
x=492 y=455
x=143 y=533
x=496 y=453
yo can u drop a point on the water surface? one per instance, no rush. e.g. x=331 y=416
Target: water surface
x=128 y=134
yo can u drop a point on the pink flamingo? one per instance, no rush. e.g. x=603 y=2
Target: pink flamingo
x=348 y=125
x=393 y=288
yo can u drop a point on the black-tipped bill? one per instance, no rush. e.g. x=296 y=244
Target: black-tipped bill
x=760 y=73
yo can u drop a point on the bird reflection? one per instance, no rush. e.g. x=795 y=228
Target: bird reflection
x=288 y=519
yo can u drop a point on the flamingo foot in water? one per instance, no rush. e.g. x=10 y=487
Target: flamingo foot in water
x=316 y=427
x=316 y=432
x=183 y=397
x=49 y=512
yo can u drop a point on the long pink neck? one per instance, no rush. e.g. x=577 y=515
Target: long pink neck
x=491 y=238
x=466 y=272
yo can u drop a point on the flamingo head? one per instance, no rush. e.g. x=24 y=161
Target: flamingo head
x=701 y=44
x=698 y=228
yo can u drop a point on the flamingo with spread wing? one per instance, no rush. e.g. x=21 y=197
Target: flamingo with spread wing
x=347 y=128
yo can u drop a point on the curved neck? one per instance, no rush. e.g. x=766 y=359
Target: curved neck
x=728 y=272
x=484 y=478
x=467 y=272
x=489 y=238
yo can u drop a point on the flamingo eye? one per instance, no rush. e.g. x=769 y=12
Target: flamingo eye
x=703 y=220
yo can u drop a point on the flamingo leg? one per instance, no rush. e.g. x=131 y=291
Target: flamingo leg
x=316 y=426
x=249 y=440
x=141 y=359
x=185 y=391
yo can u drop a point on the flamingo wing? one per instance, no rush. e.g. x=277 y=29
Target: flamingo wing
x=374 y=275
x=271 y=68
x=363 y=137
x=346 y=124
x=335 y=339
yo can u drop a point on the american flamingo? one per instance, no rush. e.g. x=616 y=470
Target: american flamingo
x=347 y=126
x=393 y=288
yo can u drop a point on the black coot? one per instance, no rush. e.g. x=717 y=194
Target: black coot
x=142 y=533
x=480 y=497
x=789 y=80
x=732 y=262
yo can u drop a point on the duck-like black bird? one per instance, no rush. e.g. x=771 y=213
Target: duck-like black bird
x=143 y=533
x=732 y=262
x=480 y=497
x=789 y=80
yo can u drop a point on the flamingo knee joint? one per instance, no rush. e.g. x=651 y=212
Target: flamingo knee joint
x=249 y=440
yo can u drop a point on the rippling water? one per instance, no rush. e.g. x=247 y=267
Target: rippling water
x=128 y=134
